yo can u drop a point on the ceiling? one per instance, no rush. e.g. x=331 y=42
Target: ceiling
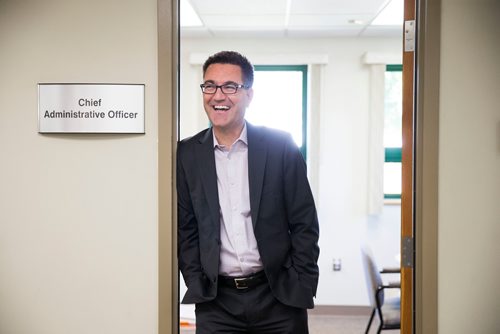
x=292 y=18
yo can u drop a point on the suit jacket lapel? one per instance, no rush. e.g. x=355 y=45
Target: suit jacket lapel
x=257 y=156
x=208 y=173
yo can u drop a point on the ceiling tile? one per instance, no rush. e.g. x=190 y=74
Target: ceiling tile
x=320 y=18
x=328 y=20
x=238 y=7
x=336 y=6
x=257 y=22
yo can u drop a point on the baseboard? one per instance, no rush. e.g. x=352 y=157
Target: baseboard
x=341 y=310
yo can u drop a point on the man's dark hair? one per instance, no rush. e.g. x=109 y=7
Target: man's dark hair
x=233 y=58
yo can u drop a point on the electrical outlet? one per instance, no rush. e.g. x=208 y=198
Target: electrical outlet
x=337 y=264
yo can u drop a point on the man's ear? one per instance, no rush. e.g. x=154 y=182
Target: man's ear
x=249 y=92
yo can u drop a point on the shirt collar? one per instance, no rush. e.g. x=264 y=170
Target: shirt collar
x=243 y=137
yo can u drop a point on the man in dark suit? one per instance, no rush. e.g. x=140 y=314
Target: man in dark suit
x=247 y=223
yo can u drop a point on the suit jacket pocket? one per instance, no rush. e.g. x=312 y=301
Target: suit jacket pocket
x=199 y=290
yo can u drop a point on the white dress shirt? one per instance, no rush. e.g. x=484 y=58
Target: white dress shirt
x=239 y=255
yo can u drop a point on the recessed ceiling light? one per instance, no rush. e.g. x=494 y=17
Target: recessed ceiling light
x=189 y=17
x=391 y=14
x=358 y=22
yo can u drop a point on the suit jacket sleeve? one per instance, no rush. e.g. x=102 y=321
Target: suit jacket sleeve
x=198 y=232
x=188 y=238
x=302 y=217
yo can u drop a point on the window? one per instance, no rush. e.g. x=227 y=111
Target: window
x=280 y=100
x=393 y=129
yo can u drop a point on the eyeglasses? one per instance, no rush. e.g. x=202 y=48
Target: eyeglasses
x=226 y=88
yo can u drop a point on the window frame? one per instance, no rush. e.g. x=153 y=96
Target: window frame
x=393 y=154
x=294 y=68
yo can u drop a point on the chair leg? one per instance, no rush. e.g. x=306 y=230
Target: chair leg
x=381 y=325
x=370 y=322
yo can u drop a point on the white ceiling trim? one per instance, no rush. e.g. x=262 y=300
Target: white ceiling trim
x=373 y=58
x=267 y=59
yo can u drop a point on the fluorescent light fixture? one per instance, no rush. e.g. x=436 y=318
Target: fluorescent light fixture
x=391 y=15
x=189 y=18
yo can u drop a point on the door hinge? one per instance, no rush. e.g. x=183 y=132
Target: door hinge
x=409 y=36
x=407 y=248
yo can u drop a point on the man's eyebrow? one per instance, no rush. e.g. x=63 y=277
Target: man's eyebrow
x=225 y=83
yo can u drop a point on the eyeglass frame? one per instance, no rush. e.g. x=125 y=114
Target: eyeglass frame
x=237 y=86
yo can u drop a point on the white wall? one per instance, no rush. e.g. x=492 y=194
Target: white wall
x=469 y=168
x=78 y=213
x=341 y=157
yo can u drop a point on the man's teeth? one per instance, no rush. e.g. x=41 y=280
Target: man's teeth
x=221 y=107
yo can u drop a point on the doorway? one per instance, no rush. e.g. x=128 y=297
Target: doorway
x=339 y=80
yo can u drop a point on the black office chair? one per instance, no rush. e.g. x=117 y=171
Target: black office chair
x=388 y=309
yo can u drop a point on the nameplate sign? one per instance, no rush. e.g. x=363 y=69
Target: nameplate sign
x=90 y=108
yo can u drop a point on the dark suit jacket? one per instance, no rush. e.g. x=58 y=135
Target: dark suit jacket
x=282 y=208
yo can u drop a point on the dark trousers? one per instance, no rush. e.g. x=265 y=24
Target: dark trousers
x=253 y=310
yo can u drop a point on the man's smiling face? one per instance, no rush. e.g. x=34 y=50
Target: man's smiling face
x=226 y=112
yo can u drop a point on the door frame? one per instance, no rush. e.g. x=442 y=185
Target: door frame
x=419 y=160
x=419 y=202
x=168 y=106
x=426 y=167
x=407 y=184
